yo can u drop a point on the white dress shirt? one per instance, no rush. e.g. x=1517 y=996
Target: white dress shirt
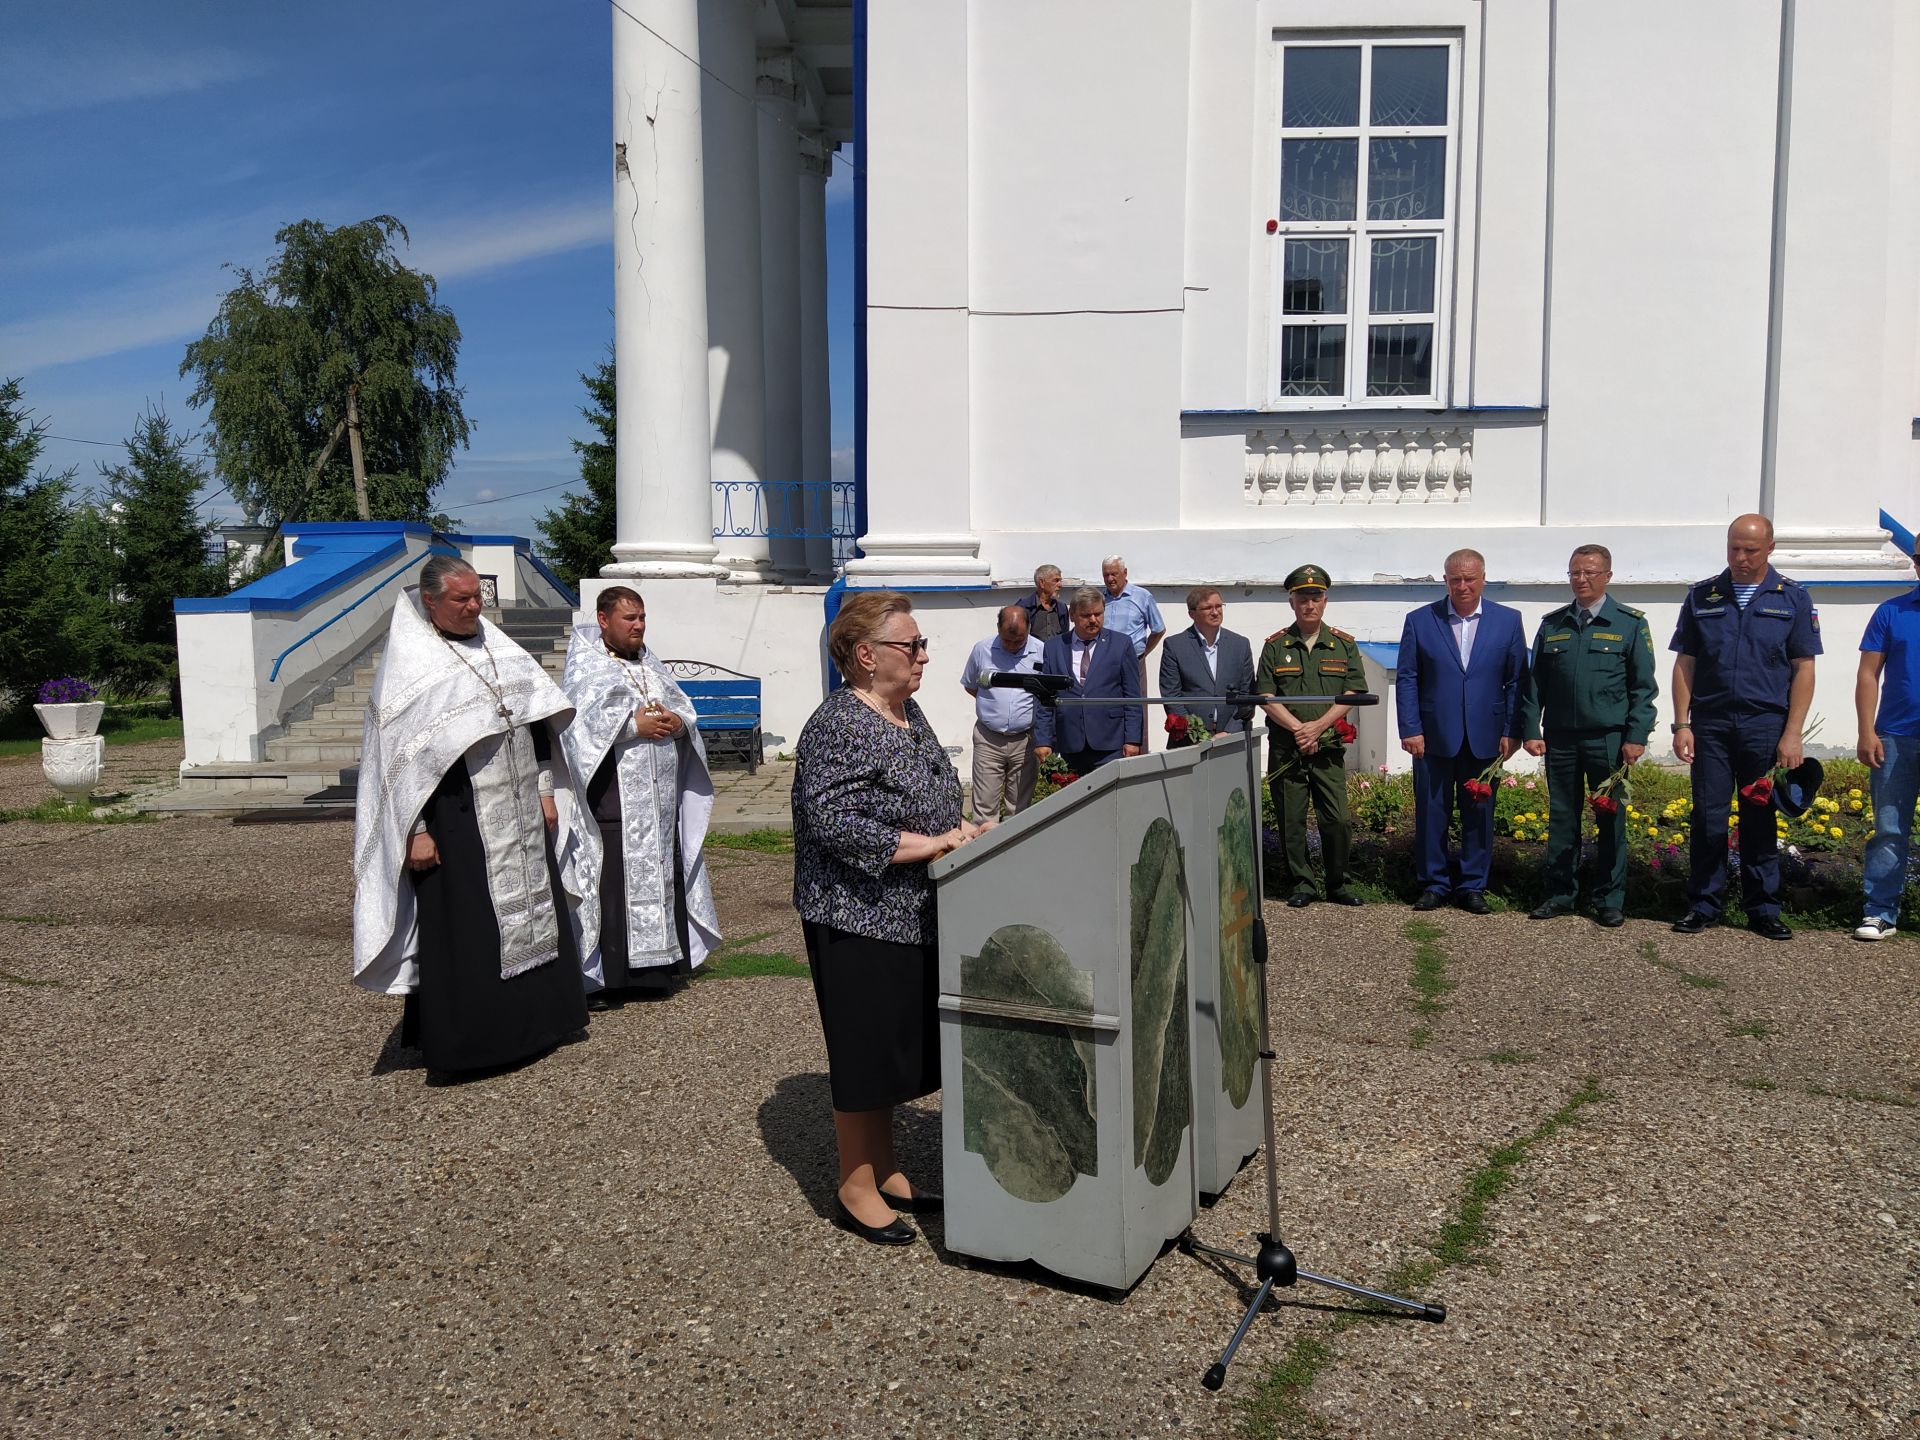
x=1464 y=628
x=1211 y=651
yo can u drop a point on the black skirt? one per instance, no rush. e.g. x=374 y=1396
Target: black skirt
x=464 y=1016
x=878 y=1009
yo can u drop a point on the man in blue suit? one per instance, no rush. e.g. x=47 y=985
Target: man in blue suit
x=1462 y=672
x=1100 y=663
x=1207 y=659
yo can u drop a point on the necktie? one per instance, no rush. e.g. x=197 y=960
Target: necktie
x=1086 y=654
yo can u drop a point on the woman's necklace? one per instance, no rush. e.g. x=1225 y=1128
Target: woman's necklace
x=493 y=686
x=881 y=710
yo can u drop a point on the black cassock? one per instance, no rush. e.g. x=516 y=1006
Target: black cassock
x=603 y=794
x=462 y=1015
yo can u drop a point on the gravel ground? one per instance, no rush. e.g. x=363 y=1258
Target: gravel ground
x=233 y=1206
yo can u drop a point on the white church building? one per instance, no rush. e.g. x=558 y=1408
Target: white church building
x=1226 y=286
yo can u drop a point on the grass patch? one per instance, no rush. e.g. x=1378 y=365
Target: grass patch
x=1429 y=979
x=764 y=842
x=1278 y=1407
x=120 y=728
x=58 y=810
x=9 y=978
x=1754 y=1082
x=1650 y=953
x=1755 y=1029
x=727 y=946
x=1511 y=1057
x=747 y=965
x=1865 y=1097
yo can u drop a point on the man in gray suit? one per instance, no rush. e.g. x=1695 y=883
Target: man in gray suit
x=1206 y=659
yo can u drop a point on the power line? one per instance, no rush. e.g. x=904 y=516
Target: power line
x=517 y=495
x=122 y=445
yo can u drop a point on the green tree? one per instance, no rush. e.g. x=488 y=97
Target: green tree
x=329 y=381
x=53 y=611
x=159 y=544
x=580 y=533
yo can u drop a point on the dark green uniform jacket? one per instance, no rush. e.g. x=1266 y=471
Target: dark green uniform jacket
x=1593 y=679
x=1288 y=667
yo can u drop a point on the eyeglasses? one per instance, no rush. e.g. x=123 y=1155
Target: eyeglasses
x=916 y=646
x=1586 y=574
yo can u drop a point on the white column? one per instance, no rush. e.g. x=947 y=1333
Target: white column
x=736 y=355
x=919 y=506
x=779 y=113
x=664 y=500
x=816 y=401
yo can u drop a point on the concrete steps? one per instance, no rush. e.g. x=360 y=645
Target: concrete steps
x=315 y=762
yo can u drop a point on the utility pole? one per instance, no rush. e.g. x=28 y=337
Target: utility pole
x=353 y=448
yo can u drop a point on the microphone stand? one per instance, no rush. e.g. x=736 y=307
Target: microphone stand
x=1274 y=1265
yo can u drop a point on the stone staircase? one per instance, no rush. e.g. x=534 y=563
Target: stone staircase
x=314 y=762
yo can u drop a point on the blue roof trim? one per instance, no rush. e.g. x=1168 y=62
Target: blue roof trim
x=324 y=562
x=519 y=542
x=357 y=527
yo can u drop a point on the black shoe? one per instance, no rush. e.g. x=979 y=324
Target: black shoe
x=1610 y=917
x=1552 y=910
x=1770 y=928
x=923 y=1202
x=898 y=1233
x=1694 y=921
x=1474 y=902
x=1300 y=899
x=1342 y=897
x=1430 y=900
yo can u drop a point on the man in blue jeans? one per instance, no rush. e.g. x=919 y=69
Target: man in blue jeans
x=1890 y=747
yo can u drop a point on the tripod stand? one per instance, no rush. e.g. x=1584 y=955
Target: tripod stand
x=1275 y=1264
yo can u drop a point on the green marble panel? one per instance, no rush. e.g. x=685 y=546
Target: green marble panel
x=1162 y=1079
x=1027 y=1095
x=1239 y=999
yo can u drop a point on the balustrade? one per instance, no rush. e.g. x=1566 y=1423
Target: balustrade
x=1322 y=464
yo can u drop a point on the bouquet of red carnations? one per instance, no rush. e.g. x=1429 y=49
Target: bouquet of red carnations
x=1613 y=794
x=1480 y=789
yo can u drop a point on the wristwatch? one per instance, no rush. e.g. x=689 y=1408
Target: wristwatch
x=1680 y=725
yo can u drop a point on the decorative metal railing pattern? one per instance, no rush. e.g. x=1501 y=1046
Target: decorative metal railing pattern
x=786 y=510
x=1330 y=464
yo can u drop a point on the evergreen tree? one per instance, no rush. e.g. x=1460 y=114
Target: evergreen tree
x=330 y=380
x=159 y=544
x=580 y=533
x=53 y=622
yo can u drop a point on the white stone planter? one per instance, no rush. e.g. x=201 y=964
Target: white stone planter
x=71 y=722
x=72 y=766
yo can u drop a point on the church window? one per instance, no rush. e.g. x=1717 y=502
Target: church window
x=1366 y=194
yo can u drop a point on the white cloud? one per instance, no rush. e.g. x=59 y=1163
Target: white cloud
x=841 y=461
x=176 y=308
x=39 y=80
x=483 y=495
x=475 y=244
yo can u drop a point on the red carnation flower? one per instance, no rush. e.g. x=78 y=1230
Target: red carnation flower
x=1345 y=731
x=1479 y=790
x=1604 y=805
x=1760 y=791
x=1176 y=724
x=1067 y=779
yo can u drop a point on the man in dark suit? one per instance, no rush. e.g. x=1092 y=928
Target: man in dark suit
x=1462 y=671
x=1100 y=663
x=1207 y=659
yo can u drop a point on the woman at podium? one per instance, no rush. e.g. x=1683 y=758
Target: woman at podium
x=874 y=799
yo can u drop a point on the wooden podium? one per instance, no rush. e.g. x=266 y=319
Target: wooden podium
x=1099 y=1022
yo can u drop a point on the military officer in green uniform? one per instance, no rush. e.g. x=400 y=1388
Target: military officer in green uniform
x=1306 y=758
x=1588 y=707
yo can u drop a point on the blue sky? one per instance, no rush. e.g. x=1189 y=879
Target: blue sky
x=148 y=145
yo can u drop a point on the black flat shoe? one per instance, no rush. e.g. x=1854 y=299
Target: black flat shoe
x=898 y=1233
x=1548 y=911
x=1341 y=898
x=1430 y=900
x=1300 y=899
x=1770 y=929
x=1474 y=903
x=1610 y=918
x=924 y=1202
x=1693 y=922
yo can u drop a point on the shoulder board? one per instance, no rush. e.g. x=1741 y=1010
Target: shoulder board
x=1788 y=584
x=1342 y=634
x=1279 y=634
x=1636 y=614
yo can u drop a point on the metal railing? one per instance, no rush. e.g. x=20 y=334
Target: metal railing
x=787 y=510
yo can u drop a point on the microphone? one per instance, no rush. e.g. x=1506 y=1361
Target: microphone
x=1044 y=686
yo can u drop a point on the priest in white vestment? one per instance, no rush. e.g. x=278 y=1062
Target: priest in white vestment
x=476 y=862
x=635 y=741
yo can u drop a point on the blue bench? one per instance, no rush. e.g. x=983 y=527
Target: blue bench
x=728 y=704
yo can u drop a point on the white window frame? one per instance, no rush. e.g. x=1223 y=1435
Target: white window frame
x=1360 y=232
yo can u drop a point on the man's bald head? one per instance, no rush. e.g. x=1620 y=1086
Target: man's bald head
x=1749 y=543
x=1012 y=625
